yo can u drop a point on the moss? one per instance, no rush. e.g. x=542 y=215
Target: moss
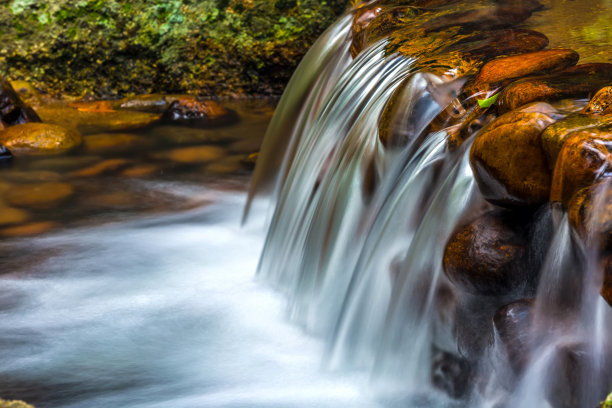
x=109 y=48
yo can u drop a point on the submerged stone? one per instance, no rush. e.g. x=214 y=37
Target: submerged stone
x=39 y=139
x=490 y=255
x=450 y=373
x=512 y=324
x=192 y=111
x=575 y=82
x=39 y=195
x=509 y=163
x=601 y=103
x=33 y=228
x=101 y=168
x=485 y=18
x=584 y=158
x=114 y=142
x=361 y=20
x=194 y=154
x=13 y=111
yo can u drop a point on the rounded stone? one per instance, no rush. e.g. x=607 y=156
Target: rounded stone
x=39 y=139
x=601 y=103
x=195 y=154
x=512 y=325
x=39 y=195
x=34 y=228
x=508 y=161
x=114 y=142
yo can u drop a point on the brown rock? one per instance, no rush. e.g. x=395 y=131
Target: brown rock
x=606 y=287
x=9 y=215
x=362 y=18
x=450 y=373
x=485 y=18
x=499 y=72
x=590 y=215
x=601 y=103
x=583 y=159
x=39 y=139
x=195 y=154
x=574 y=82
x=193 y=111
x=508 y=161
x=490 y=256
x=141 y=170
x=96 y=119
x=512 y=326
x=103 y=167
x=33 y=228
x=556 y=134
x=12 y=110
x=39 y=195
x=114 y=143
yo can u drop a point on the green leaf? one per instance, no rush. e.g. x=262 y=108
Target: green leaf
x=487 y=103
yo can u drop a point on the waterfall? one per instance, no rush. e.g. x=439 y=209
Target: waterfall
x=358 y=230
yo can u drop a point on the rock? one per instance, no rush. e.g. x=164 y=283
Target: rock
x=250 y=160
x=362 y=19
x=512 y=326
x=490 y=256
x=226 y=165
x=583 y=159
x=142 y=170
x=12 y=110
x=574 y=82
x=14 y=404
x=195 y=154
x=485 y=18
x=499 y=72
x=34 y=228
x=114 y=143
x=192 y=111
x=39 y=139
x=101 y=168
x=556 y=134
x=601 y=103
x=154 y=103
x=95 y=118
x=63 y=164
x=9 y=215
x=574 y=379
x=32 y=176
x=26 y=92
x=39 y=195
x=606 y=286
x=450 y=373
x=590 y=215
x=508 y=161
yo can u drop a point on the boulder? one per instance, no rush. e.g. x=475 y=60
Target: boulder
x=12 y=110
x=576 y=82
x=508 y=161
x=583 y=159
x=601 y=103
x=490 y=256
x=500 y=71
x=39 y=139
x=193 y=111
x=512 y=325
x=556 y=134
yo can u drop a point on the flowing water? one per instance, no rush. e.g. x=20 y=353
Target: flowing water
x=151 y=294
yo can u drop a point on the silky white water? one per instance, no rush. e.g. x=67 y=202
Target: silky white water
x=159 y=312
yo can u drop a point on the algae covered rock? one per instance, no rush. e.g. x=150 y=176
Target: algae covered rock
x=39 y=139
x=509 y=163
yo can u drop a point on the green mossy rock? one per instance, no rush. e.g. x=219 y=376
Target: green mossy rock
x=108 y=48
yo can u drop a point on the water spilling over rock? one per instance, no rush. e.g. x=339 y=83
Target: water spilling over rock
x=441 y=211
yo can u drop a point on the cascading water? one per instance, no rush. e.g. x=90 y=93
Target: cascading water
x=381 y=186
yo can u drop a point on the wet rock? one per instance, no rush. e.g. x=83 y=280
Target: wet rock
x=601 y=103
x=590 y=215
x=512 y=325
x=12 y=110
x=195 y=154
x=499 y=72
x=27 y=92
x=450 y=373
x=192 y=111
x=584 y=158
x=226 y=165
x=154 y=103
x=556 y=134
x=485 y=18
x=34 y=228
x=606 y=286
x=62 y=164
x=574 y=380
x=490 y=256
x=142 y=170
x=574 y=82
x=101 y=168
x=508 y=161
x=9 y=215
x=362 y=19
x=96 y=118
x=39 y=139
x=39 y=195
x=32 y=176
x=114 y=143
x=250 y=160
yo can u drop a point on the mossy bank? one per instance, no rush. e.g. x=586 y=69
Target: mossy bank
x=110 y=48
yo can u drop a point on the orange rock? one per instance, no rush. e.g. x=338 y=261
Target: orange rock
x=113 y=142
x=9 y=215
x=590 y=214
x=97 y=106
x=39 y=195
x=39 y=139
x=583 y=159
x=362 y=18
x=578 y=81
x=141 y=170
x=100 y=168
x=509 y=164
x=601 y=103
x=33 y=228
x=499 y=71
x=195 y=154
